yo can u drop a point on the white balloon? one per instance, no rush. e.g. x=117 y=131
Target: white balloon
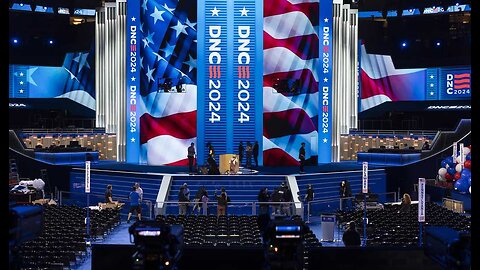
x=466 y=150
x=458 y=168
x=442 y=172
x=458 y=159
x=470 y=189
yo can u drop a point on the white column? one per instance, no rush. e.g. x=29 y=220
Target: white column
x=354 y=67
x=337 y=83
x=110 y=95
x=100 y=67
x=120 y=75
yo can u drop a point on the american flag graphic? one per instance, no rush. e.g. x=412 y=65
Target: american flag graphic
x=290 y=51
x=168 y=51
x=461 y=81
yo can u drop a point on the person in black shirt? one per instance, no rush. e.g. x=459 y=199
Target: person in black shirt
x=426 y=146
x=255 y=153
x=108 y=194
x=191 y=157
x=308 y=196
x=240 y=153
x=301 y=156
x=263 y=197
x=345 y=192
x=249 y=150
x=351 y=238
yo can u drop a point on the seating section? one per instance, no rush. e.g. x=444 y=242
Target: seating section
x=62 y=244
x=389 y=227
x=213 y=231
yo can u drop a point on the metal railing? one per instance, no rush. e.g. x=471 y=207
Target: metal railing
x=33 y=131
x=341 y=202
x=254 y=208
x=100 y=198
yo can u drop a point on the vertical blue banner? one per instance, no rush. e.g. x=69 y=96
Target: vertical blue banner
x=431 y=87
x=133 y=81
x=325 y=102
x=244 y=70
x=212 y=82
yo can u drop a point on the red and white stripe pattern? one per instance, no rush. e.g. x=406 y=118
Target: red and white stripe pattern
x=168 y=124
x=290 y=51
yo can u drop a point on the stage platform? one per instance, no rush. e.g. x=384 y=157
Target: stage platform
x=104 y=165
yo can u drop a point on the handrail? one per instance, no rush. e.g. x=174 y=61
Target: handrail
x=392 y=132
x=148 y=203
x=63 y=130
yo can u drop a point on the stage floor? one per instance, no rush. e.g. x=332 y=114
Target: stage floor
x=261 y=170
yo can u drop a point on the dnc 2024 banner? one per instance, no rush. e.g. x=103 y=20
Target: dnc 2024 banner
x=229 y=56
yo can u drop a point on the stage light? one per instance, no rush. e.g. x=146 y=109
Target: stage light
x=438 y=44
x=404 y=44
x=50 y=41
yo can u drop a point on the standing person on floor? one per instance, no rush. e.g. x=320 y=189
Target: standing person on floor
x=182 y=201
x=198 y=199
x=351 y=238
x=108 y=195
x=255 y=153
x=309 y=197
x=135 y=205
x=264 y=197
x=222 y=202
x=301 y=156
x=241 y=149
x=191 y=157
x=249 y=150
x=139 y=190
x=205 y=201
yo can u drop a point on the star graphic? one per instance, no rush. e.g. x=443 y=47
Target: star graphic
x=21 y=74
x=133 y=19
x=431 y=85
x=132 y=140
x=325 y=79
x=215 y=11
x=168 y=50
x=141 y=27
x=167 y=8
x=133 y=79
x=81 y=59
x=21 y=82
x=179 y=28
x=20 y=91
x=145 y=42
x=150 y=37
x=192 y=63
x=144 y=6
x=325 y=140
x=149 y=74
x=71 y=75
x=157 y=15
x=431 y=76
x=244 y=11
x=191 y=24
x=325 y=20
x=431 y=93
x=141 y=61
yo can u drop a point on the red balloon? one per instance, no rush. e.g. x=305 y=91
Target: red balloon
x=457 y=175
x=448 y=176
x=467 y=164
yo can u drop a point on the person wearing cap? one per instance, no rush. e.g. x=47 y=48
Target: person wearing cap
x=301 y=156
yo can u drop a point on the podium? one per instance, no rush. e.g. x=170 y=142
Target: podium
x=224 y=165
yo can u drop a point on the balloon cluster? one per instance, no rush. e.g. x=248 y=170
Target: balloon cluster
x=452 y=171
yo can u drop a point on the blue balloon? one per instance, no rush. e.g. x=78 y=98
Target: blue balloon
x=470 y=180
x=465 y=173
x=461 y=185
x=449 y=159
x=444 y=163
x=468 y=157
x=451 y=170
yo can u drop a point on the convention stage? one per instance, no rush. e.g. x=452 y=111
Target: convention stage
x=260 y=170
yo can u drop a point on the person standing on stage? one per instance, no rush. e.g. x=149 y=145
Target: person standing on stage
x=309 y=196
x=241 y=149
x=255 y=153
x=191 y=157
x=182 y=201
x=301 y=156
x=249 y=151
